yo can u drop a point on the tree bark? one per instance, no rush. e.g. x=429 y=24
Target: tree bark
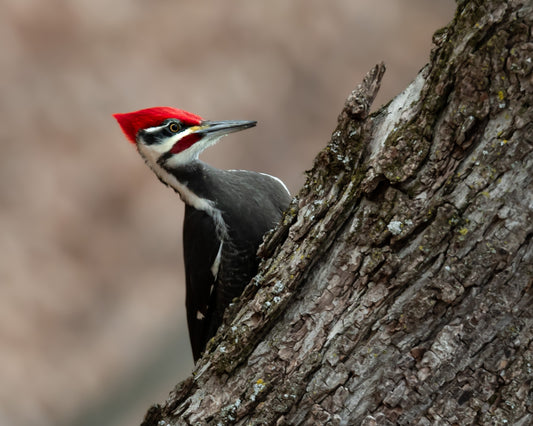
x=398 y=289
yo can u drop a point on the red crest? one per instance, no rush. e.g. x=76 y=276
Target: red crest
x=132 y=122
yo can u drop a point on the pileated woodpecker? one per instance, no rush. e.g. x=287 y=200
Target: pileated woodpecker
x=227 y=212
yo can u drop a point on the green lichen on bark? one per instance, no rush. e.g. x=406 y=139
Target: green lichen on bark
x=406 y=149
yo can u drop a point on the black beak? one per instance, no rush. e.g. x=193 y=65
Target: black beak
x=223 y=127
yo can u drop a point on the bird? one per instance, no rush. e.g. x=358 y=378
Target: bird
x=227 y=212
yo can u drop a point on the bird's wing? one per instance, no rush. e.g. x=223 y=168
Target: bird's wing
x=200 y=246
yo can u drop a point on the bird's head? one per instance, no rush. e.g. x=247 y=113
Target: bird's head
x=169 y=137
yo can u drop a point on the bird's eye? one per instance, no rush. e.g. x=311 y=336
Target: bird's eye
x=174 y=127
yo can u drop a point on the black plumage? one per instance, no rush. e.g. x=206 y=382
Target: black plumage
x=250 y=204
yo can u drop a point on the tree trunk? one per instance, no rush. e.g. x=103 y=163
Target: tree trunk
x=398 y=289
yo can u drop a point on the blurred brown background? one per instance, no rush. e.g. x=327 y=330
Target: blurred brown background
x=91 y=306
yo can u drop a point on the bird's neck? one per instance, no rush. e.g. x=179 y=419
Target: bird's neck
x=192 y=182
x=183 y=179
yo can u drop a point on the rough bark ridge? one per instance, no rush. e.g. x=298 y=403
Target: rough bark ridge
x=398 y=289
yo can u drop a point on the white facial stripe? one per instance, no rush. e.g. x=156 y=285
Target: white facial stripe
x=155 y=129
x=194 y=150
x=167 y=144
x=151 y=153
